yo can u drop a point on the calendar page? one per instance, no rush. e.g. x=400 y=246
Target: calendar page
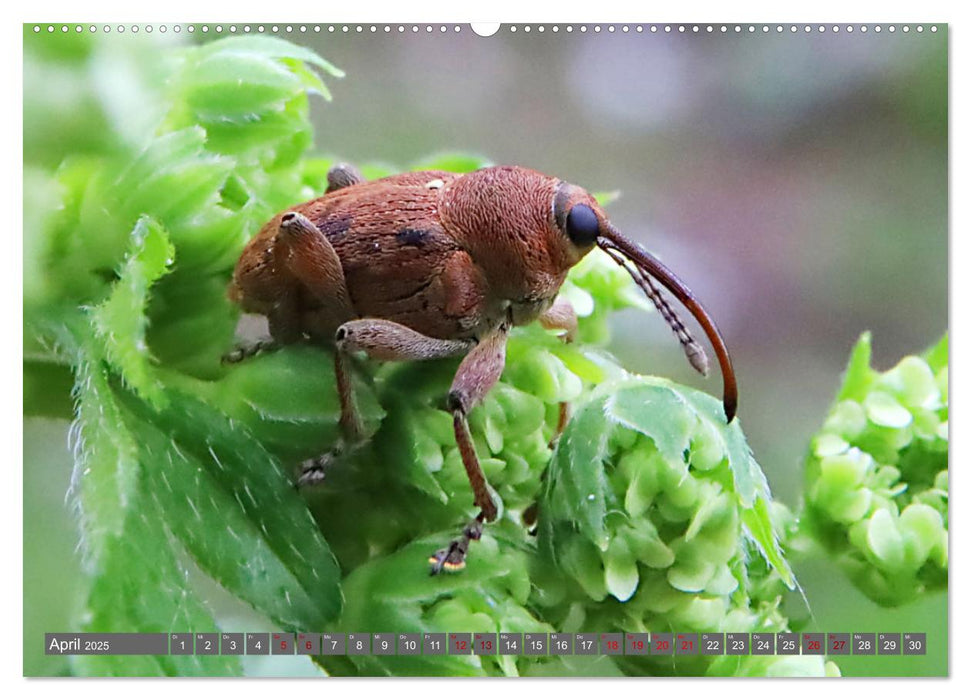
x=600 y=349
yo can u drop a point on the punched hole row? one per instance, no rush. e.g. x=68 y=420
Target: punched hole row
x=513 y=28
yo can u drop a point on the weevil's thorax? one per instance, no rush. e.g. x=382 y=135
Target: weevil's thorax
x=504 y=218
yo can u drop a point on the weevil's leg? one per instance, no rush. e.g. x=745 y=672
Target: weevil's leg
x=243 y=351
x=308 y=268
x=380 y=340
x=314 y=266
x=387 y=340
x=561 y=316
x=343 y=175
x=313 y=471
x=383 y=340
x=477 y=374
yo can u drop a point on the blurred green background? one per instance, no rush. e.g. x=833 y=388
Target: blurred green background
x=797 y=182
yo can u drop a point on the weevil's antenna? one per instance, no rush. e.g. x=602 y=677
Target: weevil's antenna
x=696 y=353
x=642 y=267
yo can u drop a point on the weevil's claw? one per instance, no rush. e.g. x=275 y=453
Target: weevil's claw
x=448 y=559
x=245 y=350
x=452 y=557
x=314 y=471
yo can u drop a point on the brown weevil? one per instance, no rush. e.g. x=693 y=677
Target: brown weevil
x=432 y=264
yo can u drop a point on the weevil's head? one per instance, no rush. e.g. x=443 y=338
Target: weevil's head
x=523 y=228
x=526 y=230
x=583 y=225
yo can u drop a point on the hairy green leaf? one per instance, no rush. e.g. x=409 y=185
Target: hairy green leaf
x=121 y=321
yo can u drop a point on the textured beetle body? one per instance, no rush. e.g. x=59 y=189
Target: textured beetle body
x=432 y=264
x=450 y=256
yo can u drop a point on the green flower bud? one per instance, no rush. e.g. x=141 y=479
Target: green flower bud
x=913 y=383
x=847 y=419
x=884 y=410
x=647 y=546
x=620 y=568
x=707 y=447
x=691 y=571
x=922 y=529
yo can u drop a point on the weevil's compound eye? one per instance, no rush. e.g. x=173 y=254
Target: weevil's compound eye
x=582 y=225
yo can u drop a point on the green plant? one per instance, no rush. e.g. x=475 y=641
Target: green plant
x=876 y=476
x=653 y=513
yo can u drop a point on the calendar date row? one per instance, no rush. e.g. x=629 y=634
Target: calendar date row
x=487 y=644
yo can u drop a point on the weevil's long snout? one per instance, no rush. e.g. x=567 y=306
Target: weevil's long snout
x=645 y=268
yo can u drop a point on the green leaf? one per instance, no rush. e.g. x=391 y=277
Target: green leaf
x=638 y=408
x=912 y=383
x=750 y=482
x=858 y=374
x=238 y=514
x=540 y=373
x=42 y=197
x=264 y=138
x=268 y=47
x=193 y=323
x=237 y=86
x=169 y=148
x=759 y=525
x=163 y=476
x=136 y=581
x=576 y=480
x=121 y=321
x=580 y=559
x=937 y=355
x=107 y=468
x=239 y=79
x=142 y=587
x=288 y=399
x=222 y=495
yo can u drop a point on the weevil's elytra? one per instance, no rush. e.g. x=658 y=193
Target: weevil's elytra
x=434 y=264
x=412 y=237
x=336 y=228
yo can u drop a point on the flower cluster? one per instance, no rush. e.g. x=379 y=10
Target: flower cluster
x=877 y=479
x=661 y=521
